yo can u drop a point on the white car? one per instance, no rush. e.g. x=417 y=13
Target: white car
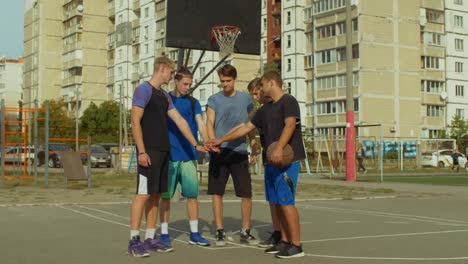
x=441 y=158
x=18 y=155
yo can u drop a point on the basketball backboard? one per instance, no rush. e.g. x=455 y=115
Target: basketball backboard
x=189 y=23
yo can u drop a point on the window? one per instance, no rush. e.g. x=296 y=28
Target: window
x=341 y=28
x=458 y=2
x=459 y=67
x=146 y=68
x=308 y=61
x=341 y=54
x=459 y=45
x=288 y=44
x=458 y=21
x=288 y=18
x=202 y=94
x=459 y=90
x=120 y=19
x=289 y=65
x=434 y=16
x=265 y=24
x=2 y=67
x=120 y=71
x=429 y=86
x=435 y=133
x=460 y=113
x=434 y=110
x=146 y=11
x=326 y=56
x=120 y=54
x=327 y=5
x=428 y=62
x=146 y=48
x=326 y=31
x=432 y=38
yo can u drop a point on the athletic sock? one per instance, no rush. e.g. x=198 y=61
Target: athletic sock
x=150 y=232
x=134 y=233
x=164 y=228
x=193 y=226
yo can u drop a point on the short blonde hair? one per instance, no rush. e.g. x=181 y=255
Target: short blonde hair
x=163 y=60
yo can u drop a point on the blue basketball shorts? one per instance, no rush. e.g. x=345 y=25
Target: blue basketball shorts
x=280 y=183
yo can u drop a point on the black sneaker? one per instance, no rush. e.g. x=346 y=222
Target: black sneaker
x=291 y=251
x=220 y=238
x=274 y=238
x=277 y=248
x=247 y=238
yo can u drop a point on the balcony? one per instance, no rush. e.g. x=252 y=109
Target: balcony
x=136 y=6
x=135 y=40
x=77 y=79
x=110 y=80
x=276 y=12
x=135 y=23
x=72 y=46
x=73 y=29
x=72 y=63
x=111 y=10
x=433 y=121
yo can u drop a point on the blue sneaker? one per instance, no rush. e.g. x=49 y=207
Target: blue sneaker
x=197 y=239
x=136 y=248
x=156 y=245
x=165 y=239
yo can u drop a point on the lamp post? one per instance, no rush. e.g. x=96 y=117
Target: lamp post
x=76 y=94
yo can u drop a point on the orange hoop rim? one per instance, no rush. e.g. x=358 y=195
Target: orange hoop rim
x=223 y=29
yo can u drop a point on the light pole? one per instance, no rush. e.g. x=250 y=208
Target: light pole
x=76 y=94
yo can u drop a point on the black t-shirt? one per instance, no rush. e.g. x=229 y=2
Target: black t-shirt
x=270 y=121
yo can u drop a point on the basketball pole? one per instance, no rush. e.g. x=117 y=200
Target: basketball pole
x=350 y=137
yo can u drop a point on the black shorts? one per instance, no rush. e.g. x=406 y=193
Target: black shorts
x=154 y=179
x=226 y=163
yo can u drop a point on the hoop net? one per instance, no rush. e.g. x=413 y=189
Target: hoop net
x=225 y=36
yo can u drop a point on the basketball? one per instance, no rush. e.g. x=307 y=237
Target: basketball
x=288 y=154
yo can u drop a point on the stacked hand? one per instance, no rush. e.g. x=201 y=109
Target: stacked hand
x=212 y=145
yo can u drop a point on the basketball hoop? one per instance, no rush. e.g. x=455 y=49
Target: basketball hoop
x=225 y=36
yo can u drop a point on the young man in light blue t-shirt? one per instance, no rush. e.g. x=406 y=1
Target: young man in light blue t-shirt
x=183 y=156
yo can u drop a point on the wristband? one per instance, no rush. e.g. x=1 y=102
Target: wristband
x=141 y=153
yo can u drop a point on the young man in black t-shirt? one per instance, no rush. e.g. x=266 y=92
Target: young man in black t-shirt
x=151 y=106
x=278 y=120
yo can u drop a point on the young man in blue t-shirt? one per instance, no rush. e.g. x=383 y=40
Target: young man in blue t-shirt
x=183 y=158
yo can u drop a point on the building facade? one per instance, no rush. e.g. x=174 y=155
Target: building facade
x=11 y=81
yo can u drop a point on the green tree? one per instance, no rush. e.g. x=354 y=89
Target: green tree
x=271 y=66
x=101 y=122
x=60 y=124
x=459 y=131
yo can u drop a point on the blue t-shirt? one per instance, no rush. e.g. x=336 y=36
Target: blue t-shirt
x=230 y=111
x=181 y=149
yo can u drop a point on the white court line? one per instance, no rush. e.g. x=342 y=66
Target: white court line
x=428 y=219
x=128 y=226
x=384 y=258
x=61 y=204
x=388 y=235
x=395 y=222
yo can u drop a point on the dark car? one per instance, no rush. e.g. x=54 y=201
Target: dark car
x=54 y=156
x=98 y=156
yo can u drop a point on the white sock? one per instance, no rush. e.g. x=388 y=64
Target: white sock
x=164 y=228
x=193 y=226
x=150 y=232
x=134 y=233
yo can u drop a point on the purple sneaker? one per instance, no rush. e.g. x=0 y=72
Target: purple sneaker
x=156 y=245
x=136 y=248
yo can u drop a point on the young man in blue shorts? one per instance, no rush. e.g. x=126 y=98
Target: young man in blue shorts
x=183 y=158
x=150 y=108
x=278 y=120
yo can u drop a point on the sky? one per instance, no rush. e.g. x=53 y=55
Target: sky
x=11 y=28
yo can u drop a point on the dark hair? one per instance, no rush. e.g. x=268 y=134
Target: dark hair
x=183 y=72
x=273 y=76
x=252 y=84
x=228 y=70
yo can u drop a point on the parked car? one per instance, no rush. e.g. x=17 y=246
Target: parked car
x=98 y=156
x=18 y=155
x=441 y=158
x=54 y=157
x=110 y=147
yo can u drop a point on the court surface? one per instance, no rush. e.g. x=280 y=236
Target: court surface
x=422 y=229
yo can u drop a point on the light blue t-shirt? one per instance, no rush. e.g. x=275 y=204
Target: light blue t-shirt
x=230 y=111
x=181 y=149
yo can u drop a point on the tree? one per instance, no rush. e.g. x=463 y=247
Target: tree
x=271 y=66
x=459 y=131
x=101 y=122
x=60 y=124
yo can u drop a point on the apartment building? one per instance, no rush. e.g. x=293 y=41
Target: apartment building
x=65 y=52
x=11 y=81
x=43 y=48
x=456 y=35
x=398 y=75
